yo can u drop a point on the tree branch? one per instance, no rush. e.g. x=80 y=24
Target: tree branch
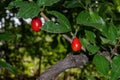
x=71 y=61
x=63 y=35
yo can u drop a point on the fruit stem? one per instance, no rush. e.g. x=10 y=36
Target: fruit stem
x=67 y=38
x=44 y=16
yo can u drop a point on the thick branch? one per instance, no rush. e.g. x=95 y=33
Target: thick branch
x=71 y=61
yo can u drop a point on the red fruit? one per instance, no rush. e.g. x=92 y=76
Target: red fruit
x=76 y=44
x=36 y=24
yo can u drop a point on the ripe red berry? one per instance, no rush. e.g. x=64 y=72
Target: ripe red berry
x=76 y=44
x=36 y=24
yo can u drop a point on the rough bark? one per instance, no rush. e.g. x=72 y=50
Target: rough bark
x=71 y=61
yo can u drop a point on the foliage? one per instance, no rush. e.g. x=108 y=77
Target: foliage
x=62 y=26
x=102 y=64
x=96 y=23
x=8 y=66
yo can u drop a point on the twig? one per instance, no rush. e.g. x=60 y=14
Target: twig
x=67 y=38
x=44 y=16
x=106 y=54
x=64 y=35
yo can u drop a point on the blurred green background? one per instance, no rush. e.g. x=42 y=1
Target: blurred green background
x=30 y=53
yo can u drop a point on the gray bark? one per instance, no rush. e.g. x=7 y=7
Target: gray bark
x=71 y=61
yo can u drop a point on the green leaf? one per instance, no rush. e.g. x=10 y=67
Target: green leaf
x=103 y=9
x=89 y=18
x=83 y=18
x=84 y=42
x=6 y=36
x=104 y=40
x=105 y=31
x=96 y=18
x=92 y=49
x=51 y=27
x=72 y=4
x=8 y=67
x=108 y=41
x=102 y=64
x=112 y=32
x=90 y=36
x=46 y=2
x=118 y=32
x=62 y=26
x=61 y=18
x=87 y=2
x=28 y=10
x=91 y=78
x=115 y=72
x=16 y=3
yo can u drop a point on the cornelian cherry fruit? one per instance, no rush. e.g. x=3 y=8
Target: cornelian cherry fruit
x=76 y=44
x=36 y=24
